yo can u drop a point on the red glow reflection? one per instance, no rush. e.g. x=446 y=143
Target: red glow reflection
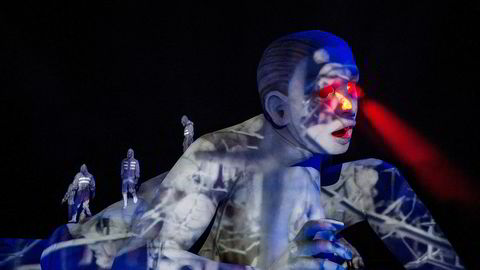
x=432 y=168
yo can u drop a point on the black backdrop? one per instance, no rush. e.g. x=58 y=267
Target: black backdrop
x=83 y=82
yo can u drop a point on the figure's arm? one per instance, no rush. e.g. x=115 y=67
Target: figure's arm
x=406 y=226
x=137 y=171
x=191 y=129
x=75 y=182
x=92 y=187
x=67 y=194
x=185 y=204
x=121 y=169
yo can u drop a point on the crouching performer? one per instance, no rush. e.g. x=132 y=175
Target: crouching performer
x=263 y=194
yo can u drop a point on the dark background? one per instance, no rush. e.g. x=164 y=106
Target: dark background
x=83 y=82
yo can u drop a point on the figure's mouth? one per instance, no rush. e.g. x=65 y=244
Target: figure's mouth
x=344 y=133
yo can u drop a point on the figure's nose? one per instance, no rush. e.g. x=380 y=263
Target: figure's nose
x=344 y=102
x=345 y=107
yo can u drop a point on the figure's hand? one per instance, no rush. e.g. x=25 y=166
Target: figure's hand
x=317 y=237
x=64 y=200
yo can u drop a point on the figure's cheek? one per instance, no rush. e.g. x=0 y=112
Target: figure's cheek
x=315 y=113
x=331 y=104
x=315 y=131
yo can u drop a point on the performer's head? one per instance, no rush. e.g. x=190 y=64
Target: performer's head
x=185 y=120
x=83 y=169
x=306 y=82
x=130 y=153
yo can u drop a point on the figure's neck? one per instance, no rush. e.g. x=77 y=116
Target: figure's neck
x=283 y=147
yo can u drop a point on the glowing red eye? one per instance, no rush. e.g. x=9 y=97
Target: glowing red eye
x=324 y=92
x=359 y=91
x=352 y=89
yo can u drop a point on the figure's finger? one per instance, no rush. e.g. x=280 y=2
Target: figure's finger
x=315 y=247
x=328 y=265
x=325 y=235
x=311 y=248
x=335 y=223
x=312 y=227
x=342 y=250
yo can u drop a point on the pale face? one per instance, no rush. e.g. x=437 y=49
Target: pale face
x=323 y=111
x=83 y=169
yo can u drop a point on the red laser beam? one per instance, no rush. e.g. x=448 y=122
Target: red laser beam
x=433 y=169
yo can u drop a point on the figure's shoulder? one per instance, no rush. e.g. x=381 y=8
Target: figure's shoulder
x=369 y=163
x=370 y=168
x=249 y=132
x=252 y=125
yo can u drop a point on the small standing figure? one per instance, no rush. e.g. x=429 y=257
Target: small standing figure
x=130 y=173
x=81 y=192
x=187 y=132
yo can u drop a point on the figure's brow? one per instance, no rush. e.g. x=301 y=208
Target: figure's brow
x=336 y=81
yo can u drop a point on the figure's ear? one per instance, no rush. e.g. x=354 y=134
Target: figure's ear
x=276 y=107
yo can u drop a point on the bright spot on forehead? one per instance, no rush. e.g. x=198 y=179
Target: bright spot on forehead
x=321 y=56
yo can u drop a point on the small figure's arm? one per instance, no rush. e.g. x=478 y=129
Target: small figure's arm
x=191 y=131
x=92 y=187
x=137 y=171
x=68 y=193
x=121 y=167
x=76 y=182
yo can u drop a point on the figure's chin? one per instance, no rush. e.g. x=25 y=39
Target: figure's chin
x=339 y=150
x=337 y=147
x=325 y=143
x=329 y=149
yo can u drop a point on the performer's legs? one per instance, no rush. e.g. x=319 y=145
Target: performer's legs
x=131 y=189
x=86 y=208
x=189 y=141
x=124 y=194
x=70 y=211
x=75 y=208
x=185 y=144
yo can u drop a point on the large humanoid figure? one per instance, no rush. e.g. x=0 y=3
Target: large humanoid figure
x=83 y=190
x=130 y=173
x=187 y=132
x=260 y=193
